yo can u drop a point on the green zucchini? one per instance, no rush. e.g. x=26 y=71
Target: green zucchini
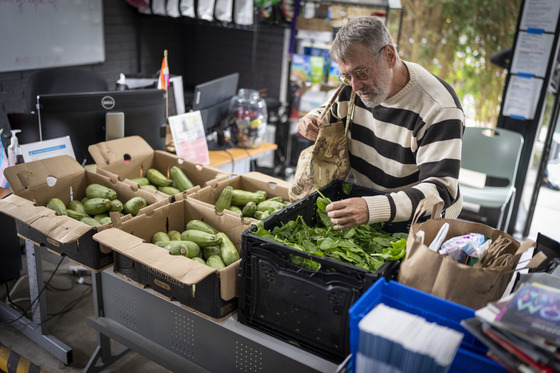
x=201 y=226
x=133 y=205
x=97 y=205
x=201 y=238
x=215 y=262
x=76 y=206
x=57 y=205
x=228 y=252
x=241 y=197
x=180 y=180
x=224 y=200
x=160 y=237
x=174 y=235
x=157 y=178
x=100 y=191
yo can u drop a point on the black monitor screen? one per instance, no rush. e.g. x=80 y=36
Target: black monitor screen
x=212 y=99
x=82 y=117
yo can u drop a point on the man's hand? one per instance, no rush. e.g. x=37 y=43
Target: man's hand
x=347 y=213
x=308 y=127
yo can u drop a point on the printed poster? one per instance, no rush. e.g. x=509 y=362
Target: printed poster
x=189 y=137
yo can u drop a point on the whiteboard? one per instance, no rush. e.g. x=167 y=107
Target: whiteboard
x=50 y=33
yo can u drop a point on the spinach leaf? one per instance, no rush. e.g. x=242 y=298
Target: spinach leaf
x=364 y=246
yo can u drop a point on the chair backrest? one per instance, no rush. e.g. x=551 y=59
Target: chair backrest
x=62 y=80
x=492 y=151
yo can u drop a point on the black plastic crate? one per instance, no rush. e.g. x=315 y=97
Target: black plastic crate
x=306 y=308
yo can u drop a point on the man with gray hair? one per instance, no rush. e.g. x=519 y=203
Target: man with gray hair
x=405 y=136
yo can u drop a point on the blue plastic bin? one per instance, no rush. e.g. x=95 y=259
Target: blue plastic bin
x=471 y=356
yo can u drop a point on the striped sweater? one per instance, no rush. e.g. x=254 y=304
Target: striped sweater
x=408 y=147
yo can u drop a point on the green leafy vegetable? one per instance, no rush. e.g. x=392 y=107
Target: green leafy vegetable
x=365 y=246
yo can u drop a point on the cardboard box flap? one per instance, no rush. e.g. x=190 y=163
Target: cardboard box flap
x=23 y=209
x=180 y=268
x=26 y=176
x=131 y=152
x=271 y=182
x=59 y=228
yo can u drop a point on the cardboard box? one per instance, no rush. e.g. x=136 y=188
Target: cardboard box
x=197 y=287
x=131 y=157
x=251 y=182
x=35 y=183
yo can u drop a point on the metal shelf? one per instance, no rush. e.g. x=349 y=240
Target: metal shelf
x=182 y=340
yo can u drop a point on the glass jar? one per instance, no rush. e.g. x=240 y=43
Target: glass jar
x=248 y=118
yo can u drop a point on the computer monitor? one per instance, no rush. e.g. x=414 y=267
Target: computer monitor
x=28 y=123
x=212 y=99
x=82 y=116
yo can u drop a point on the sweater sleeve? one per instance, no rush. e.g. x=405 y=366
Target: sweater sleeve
x=438 y=159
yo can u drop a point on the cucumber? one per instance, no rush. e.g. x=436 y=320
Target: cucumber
x=228 y=252
x=199 y=225
x=100 y=191
x=180 y=180
x=57 y=205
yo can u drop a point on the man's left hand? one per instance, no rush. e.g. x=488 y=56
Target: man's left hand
x=347 y=213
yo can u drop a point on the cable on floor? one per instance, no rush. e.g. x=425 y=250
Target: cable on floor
x=24 y=313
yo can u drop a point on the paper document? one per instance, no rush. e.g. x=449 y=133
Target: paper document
x=49 y=148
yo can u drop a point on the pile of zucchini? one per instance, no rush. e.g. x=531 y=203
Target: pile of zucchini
x=95 y=207
x=200 y=242
x=154 y=179
x=249 y=204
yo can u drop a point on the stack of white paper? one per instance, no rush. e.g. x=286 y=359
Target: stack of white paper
x=392 y=340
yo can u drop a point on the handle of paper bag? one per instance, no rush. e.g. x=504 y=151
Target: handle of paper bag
x=331 y=102
x=434 y=203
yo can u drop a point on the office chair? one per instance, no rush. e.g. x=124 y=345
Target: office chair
x=490 y=158
x=62 y=80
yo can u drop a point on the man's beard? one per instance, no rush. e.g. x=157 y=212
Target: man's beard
x=379 y=92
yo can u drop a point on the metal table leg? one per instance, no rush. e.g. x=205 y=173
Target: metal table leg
x=102 y=356
x=36 y=329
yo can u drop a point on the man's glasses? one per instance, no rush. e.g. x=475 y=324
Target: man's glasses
x=360 y=74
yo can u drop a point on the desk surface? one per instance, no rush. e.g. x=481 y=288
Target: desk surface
x=222 y=157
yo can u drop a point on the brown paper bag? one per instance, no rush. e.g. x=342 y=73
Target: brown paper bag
x=437 y=274
x=325 y=161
